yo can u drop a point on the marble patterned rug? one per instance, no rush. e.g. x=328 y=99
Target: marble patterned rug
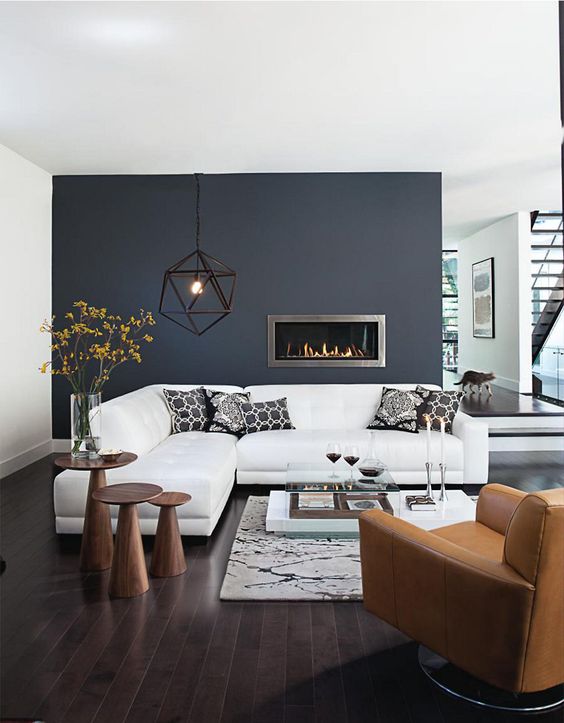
x=265 y=566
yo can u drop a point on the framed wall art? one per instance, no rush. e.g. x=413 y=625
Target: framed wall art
x=483 y=299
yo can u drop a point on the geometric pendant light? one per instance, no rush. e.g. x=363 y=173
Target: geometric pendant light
x=197 y=290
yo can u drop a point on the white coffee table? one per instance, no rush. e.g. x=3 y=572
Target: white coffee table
x=458 y=508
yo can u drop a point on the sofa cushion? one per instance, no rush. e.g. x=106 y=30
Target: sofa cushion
x=272 y=451
x=400 y=409
x=266 y=416
x=187 y=409
x=224 y=411
x=440 y=404
x=475 y=537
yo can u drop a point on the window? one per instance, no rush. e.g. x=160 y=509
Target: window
x=450 y=311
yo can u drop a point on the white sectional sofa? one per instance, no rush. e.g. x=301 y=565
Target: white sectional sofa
x=205 y=464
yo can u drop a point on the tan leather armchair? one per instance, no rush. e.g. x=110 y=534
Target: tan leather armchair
x=486 y=595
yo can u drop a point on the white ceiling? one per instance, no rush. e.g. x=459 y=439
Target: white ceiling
x=467 y=88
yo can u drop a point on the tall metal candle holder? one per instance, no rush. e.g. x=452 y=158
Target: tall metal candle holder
x=429 y=469
x=443 y=495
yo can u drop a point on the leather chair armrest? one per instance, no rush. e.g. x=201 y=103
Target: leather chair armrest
x=496 y=505
x=450 y=599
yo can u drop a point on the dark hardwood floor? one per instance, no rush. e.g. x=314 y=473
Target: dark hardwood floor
x=505 y=403
x=179 y=654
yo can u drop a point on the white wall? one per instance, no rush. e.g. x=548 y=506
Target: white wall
x=25 y=298
x=508 y=355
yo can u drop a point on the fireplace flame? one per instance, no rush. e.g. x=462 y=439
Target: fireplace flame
x=310 y=352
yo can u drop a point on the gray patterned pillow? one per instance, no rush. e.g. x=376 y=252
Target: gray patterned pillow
x=188 y=409
x=441 y=404
x=224 y=411
x=400 y=409
x=266 y=416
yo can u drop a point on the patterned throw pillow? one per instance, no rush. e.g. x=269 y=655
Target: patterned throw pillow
x=188 y=410
x=266 y=416
x=441 y=404
x=224 y=411
x=400 y=409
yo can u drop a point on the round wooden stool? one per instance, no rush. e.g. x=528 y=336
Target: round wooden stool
x=128 y=577
x=168 y=554
x=97 y=545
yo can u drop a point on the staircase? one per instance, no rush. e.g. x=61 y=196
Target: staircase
x=547 y=257
x=520 y=422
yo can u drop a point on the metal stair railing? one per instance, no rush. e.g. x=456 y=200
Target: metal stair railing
x=545 y=311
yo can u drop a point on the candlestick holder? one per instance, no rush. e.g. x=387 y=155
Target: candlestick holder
x=429 y=470
x=443 y=495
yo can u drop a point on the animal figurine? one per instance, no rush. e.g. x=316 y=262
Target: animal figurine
x=477 y=379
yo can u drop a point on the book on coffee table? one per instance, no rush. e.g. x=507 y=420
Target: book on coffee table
x=420 y=503
x=360 y=504
x=316 y=501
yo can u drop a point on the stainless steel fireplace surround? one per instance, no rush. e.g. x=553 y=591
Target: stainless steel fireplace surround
x=341 y=340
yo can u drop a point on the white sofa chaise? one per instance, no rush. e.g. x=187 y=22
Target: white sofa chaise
x=205 y=464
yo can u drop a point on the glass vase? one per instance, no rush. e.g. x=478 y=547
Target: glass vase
x=86 y=425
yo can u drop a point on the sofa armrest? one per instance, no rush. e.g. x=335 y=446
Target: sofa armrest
x=474 y=436
x=446 y=597
x=496 y=505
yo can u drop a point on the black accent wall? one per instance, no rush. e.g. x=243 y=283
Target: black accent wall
x=335 y=243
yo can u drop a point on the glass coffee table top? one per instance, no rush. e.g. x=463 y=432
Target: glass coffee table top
x=304 y=478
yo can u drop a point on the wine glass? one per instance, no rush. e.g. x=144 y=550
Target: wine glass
x=351 y=456
x=333 y=454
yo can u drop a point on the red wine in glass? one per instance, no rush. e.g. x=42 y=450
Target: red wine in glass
x=333 y=454
x=351 y=456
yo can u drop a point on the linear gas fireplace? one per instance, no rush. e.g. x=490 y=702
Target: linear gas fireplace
x=357 y=340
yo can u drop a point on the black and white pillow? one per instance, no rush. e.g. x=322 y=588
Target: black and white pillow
x=441 y=404
x=266 y=416
x=400 y=410
x=224 y=411
x=188 y=409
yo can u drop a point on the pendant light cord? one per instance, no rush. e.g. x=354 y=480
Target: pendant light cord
x=197 y=177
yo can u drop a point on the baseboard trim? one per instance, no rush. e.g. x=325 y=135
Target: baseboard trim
x=506 y=383
x=21 y=460
x=61 y=446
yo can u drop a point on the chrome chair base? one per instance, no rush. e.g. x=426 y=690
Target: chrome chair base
x=463 y=686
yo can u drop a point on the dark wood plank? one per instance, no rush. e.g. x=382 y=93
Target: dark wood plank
x=301 y=714
x=270 y=689
x=79 y=666
x=299 y=658
x=22 y=673
x=360 y=694
x=125 y=686
x=180 y=692
x=212 y=684
x=327 y=673
x=94 y=689
x=149 y=698
x=239 y=696
x=388 y=687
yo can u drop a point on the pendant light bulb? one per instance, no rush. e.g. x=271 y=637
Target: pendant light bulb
x=197 y=287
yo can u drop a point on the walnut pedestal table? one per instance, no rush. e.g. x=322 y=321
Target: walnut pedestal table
x=97 y=543
x=168 y=554
x=128 y=577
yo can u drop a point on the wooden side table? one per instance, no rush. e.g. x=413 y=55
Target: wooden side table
x=168 y=554
x=97 y=544
x=129 y=572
